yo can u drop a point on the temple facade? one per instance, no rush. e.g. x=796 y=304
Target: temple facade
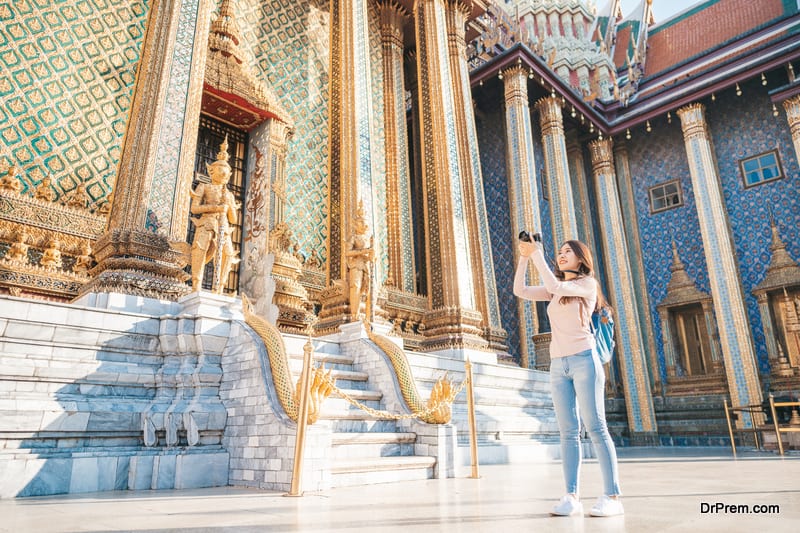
x=340 y=161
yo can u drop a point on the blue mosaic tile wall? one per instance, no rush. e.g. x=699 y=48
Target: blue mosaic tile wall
x=741 y=127
x=491 y=133
x=491 y=130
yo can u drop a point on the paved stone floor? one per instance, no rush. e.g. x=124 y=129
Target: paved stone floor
x=665 y=490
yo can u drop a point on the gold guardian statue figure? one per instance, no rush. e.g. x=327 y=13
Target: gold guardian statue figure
x=217 y=208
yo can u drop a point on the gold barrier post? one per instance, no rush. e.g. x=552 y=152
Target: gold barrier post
x=473 y=430
x=302 y=419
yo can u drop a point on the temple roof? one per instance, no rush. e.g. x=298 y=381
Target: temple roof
x=705 y=27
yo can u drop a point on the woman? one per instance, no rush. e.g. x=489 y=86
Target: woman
x=576 y=375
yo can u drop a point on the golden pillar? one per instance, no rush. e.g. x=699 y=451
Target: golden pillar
x=726 y=286
x=630 y=341
x=398 y=180
x=562 y=208
x=150 y=208
x=479 y=242
x=452 y=320
x=631 y=221
x=792 y=107
x=523 y=191
x=352 y=149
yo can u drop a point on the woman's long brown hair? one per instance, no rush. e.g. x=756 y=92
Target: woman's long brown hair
x=586 y=269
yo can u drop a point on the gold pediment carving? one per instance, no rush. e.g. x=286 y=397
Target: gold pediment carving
x=232 y=92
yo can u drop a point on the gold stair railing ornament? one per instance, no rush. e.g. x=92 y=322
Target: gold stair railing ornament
x=288 y=394
x=438 y=408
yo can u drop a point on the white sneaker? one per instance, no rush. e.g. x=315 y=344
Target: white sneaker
x=607 y=506
x=568 y=505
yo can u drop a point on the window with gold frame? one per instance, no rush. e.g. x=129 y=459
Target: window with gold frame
x=692 y=340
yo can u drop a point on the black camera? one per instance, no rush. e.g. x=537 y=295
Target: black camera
x=525 y=236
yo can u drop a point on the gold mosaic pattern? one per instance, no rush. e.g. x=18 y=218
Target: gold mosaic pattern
x=287 y=43
x=67 y=70
x=522 y=190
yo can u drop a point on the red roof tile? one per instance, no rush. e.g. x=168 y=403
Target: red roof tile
x=697 y=32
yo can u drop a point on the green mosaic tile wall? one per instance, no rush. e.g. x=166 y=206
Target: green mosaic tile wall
x=288 y=44
x=67 y=70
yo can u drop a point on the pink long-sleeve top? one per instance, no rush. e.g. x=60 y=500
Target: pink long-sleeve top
x=570 y=333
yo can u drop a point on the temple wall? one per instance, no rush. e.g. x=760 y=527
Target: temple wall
x=741 y=127
x=67 y=71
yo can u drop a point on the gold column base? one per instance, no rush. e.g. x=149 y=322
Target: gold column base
x=294 y=308
x=453 y=328
x=335 y=309
x=139 y=263
x=497 y=341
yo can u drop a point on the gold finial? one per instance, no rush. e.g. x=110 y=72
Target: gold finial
x=222 y=155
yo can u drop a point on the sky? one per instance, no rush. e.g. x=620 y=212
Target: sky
x=662 y=9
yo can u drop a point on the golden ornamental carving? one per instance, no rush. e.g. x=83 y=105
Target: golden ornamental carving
x=693 y=122
x=78 y=199
x=44 y=191
x=360 y=255
x=46 y=241
x=288 y=394
x=681 y=289
x=10 y=182
x=50 y=216
x=602 y=155
x=393 y=17
x=782 y=271
x=294 y=309
x=550 y=116
x=51 y=258
x=515 y=81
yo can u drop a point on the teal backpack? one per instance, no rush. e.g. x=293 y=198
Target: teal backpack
x=603 y=330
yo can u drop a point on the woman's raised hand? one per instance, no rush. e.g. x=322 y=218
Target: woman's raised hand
x=527 y=248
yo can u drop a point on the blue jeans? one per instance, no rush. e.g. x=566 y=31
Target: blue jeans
x=581 y=377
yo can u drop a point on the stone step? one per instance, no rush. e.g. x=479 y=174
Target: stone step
x=335 y=405
x=340 y=439
x=326 y=359
x=358 y=422
x=354 y=472
x=351 y=446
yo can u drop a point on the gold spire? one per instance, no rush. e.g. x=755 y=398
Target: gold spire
x=222 y=155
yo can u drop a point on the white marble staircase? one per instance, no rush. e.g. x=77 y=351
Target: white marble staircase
x=365 y=449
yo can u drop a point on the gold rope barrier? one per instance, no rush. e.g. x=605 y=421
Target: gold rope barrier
x=442 y=396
